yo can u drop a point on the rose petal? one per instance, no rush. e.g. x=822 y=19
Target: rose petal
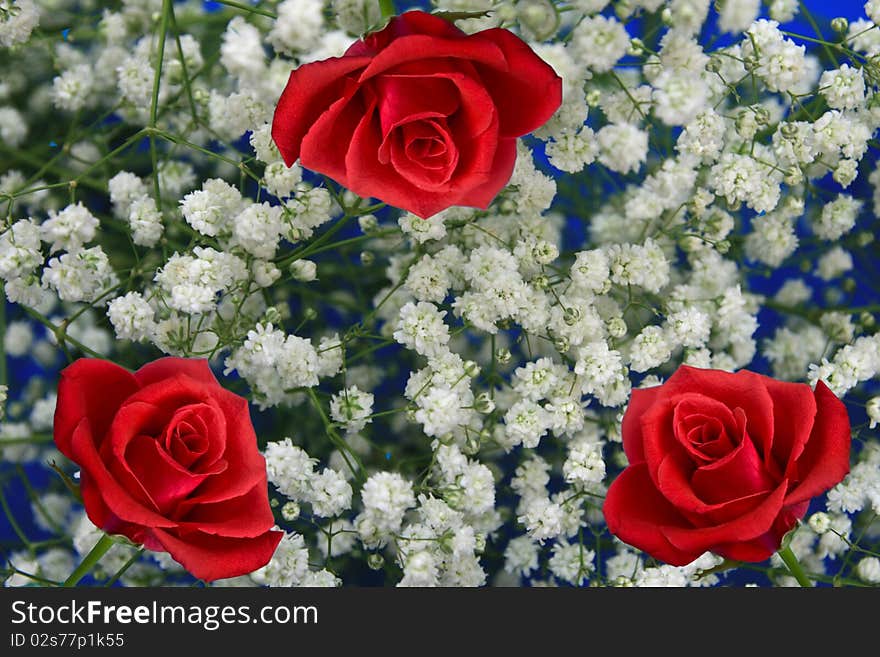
x=743 y=389
x=151 y=419
x=89 y=388
x=739 y=474
x=334 y=126
x=419 y=47
x=167 y=395
x=241 y=517
x=525 y=75
x=310 y=90
x=695 y=408
x=476 y=108
x=825 y=458
x=640 y=401
x=753 y=551
x=169 y=367
x=212 y=429
x=794 y=411
x=247 y=467
x=217 y=557
x=658 y=439
x=415 y=171
x=133 y=419
x=404 y=99
x=409 y=22
x=674 y=483
x=101 y=516
x=634 y=511
x=764 y=546
x=499 y=172
x=743 y=528
x=364 y=170
x=185 y=438
x=148 y=411
x=164 y=480
x=118 y=500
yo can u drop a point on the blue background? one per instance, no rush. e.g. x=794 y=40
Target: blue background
x=866 y=275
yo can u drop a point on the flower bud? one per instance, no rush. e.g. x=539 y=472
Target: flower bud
x=290 y=511
x=368 y=223
x=538 y=17
x=541 y=281
x=304 y=270
x=471 y=443
x=762 y=115
x=484 y=403
x=272 y=316
x=617 y=327
x=636 y=47
x=788 y=130
x=839 y=24
x=454 y=497
x=820 y=522
x=562 y=344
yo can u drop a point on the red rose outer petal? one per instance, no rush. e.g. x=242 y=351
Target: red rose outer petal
x=744 y=528
x=794 y=412
x=420 y=47
x=410 y=22
x=640 y=401
x=335 y=126
x=825 y=459
x=635 y=512
x=499 y=175
x=217 y=557
x=169 y=367
x=117 y=499
x=242 y=517
x=89 y=388
x=525 y=76
x=310 y=90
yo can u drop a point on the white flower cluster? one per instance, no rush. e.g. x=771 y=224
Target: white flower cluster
x=463 y=377
x=293 y=473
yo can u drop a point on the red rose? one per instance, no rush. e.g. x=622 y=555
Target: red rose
x=725 y=463
x=169 y=459
x=419 y=115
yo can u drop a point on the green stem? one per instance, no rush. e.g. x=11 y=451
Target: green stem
x=248 y=8
x=90 y=561
x=154 y=101
x=794 y=567
x=128 y=564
